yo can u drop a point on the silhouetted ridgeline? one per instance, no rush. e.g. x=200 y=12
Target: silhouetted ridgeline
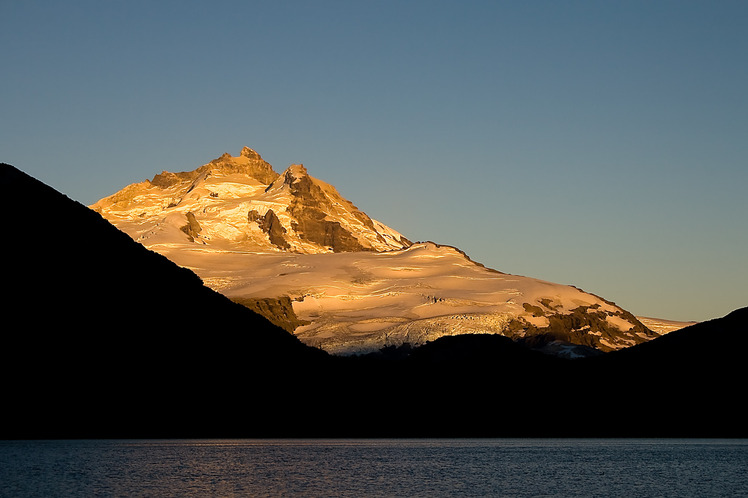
x=103 y=338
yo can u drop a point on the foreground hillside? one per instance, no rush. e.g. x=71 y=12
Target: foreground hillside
x=102 y=334
x=103 y=338
x=291 y=247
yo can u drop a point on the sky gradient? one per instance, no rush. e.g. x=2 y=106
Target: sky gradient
x=602 y=144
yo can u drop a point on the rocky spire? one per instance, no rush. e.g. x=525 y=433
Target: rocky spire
x=248 y=162
x=250 y=153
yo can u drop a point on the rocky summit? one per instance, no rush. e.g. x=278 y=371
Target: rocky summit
x=290 y=246
x=241 y=203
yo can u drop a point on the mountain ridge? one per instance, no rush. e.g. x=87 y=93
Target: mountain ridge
x=248 y=162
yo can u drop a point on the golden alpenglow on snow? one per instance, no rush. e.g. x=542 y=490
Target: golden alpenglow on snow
x=240 y=203
x=291 y=247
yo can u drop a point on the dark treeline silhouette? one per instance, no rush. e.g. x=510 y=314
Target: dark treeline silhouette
x=104 y=338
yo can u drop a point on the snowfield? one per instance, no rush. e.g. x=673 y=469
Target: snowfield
x=662 y=327
x=249 y=232
x=361 y=301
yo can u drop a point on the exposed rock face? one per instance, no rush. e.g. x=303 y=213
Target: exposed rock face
x=279 y=311
x=316 y=209
x=585 y=326
x=271 y=225
x=192 y=228
x=250 y=154
x=248 y=163
x=309 y=207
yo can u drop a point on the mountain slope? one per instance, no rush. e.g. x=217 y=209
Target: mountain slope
x=101 y=335
x=362 y=301
x=356 y=284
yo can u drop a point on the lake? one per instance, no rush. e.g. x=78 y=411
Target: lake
x=387 y=467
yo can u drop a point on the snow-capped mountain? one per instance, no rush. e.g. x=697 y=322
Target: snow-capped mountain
x=240 y=203
x=354 y=285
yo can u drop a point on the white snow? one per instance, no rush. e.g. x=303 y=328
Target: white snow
x=660 y=326
x=619 y=323
x=378 y=298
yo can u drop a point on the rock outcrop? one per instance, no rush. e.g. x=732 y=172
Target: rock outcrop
x=271 y=225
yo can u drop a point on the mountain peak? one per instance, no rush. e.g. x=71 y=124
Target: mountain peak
x=292 y=174
x=248 y=162
x=297 y=169
x=228 y=210
x=295 y=172
x=250 y=153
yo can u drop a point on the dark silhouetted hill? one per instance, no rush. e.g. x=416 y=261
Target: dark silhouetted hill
x=696 y=380
x=102 y=336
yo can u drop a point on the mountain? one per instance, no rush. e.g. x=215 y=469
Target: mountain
x=354 y=285
x=103 y=338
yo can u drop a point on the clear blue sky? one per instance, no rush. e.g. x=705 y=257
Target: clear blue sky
x=602 y=144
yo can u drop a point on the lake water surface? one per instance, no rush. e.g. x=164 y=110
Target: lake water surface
x=389 y=467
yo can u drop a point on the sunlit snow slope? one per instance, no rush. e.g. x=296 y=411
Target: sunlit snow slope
x=249 y=232
x=661 y=326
